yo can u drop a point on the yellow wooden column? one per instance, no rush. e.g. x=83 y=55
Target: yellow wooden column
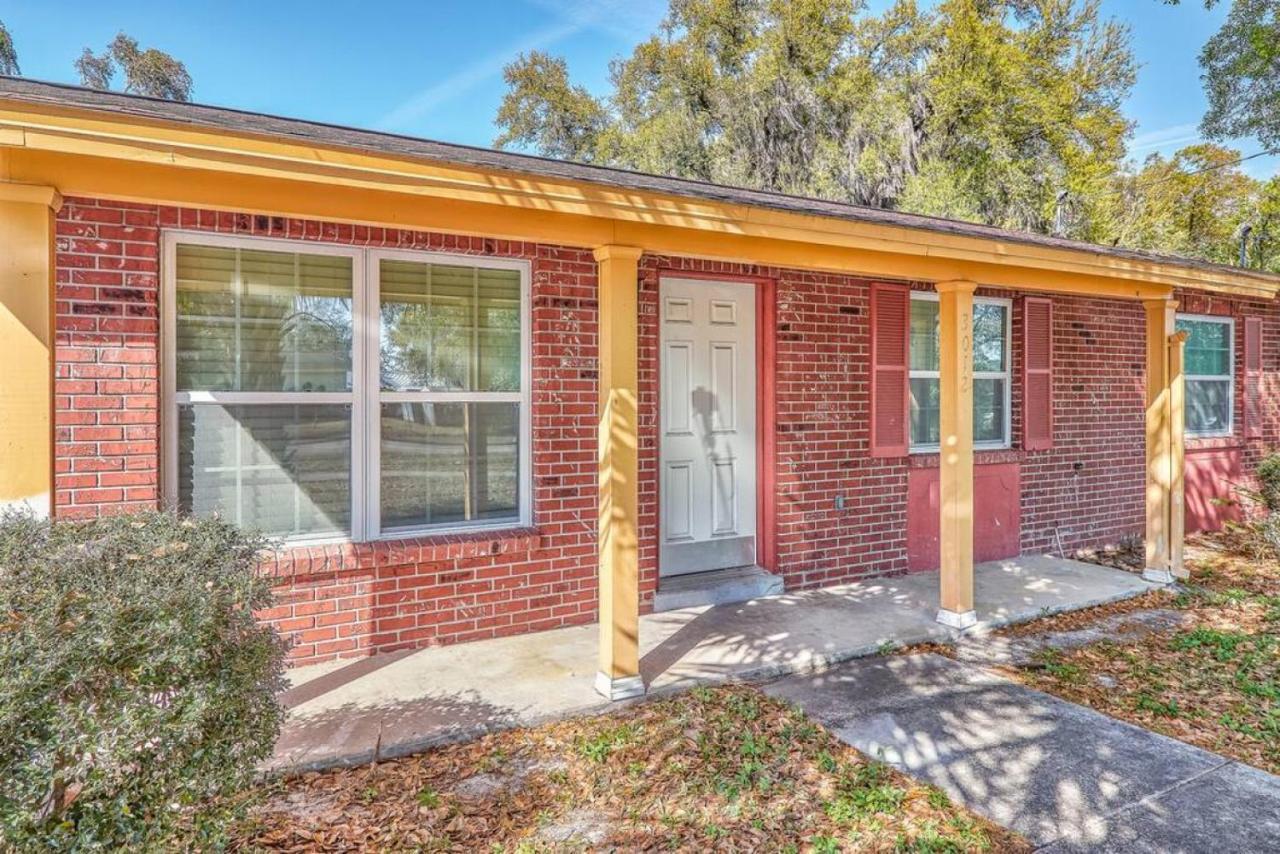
x=1161 y=316
x=26 y=345
x=955 y=338
x=618 y=676
x=1177 y=454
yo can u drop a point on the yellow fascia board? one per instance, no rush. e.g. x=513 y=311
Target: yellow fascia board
x=273 y=196
x=130 y=140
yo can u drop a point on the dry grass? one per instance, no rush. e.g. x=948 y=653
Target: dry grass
x=1214 y=683
x=723 y=768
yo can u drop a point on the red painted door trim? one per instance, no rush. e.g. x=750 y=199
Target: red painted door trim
x=766 y=437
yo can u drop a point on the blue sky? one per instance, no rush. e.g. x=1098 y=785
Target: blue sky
x=433 y=68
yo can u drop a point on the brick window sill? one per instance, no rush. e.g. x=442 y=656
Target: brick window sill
x=291 y=561
x=992 y=456
x=1215 y=443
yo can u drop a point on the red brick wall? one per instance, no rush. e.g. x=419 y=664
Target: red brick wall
x=1089 y=488
x=349 y=599
x=355 y=599
x=106 y=387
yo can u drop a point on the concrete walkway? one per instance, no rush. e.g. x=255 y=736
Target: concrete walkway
x=349 y=713
x=1066 y=777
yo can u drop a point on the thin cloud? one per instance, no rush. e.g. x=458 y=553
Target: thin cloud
x=623 y=19
x=1165 y=138
x=411 y=110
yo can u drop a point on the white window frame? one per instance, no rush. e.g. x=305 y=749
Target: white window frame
x=1229 y=379
x=1006 y=374
x=366 y=394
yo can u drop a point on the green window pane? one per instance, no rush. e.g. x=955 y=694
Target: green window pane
x=1208 y=348
x=988 y=410
x=282 y=469
x=990 y=355
x=1208 y=406
x=924 y=335
x=447 y=327
x=988 y=337
x=249 y=320
x=924 y=411
x=449 y=463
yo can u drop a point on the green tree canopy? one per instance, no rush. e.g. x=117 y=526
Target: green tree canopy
x=978 y=109
x=148 y=72
x=1192 y=203
x=8 y=53
x=1241 y=65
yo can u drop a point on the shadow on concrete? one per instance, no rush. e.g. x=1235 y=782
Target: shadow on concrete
x=356 y=734
x=333 y=680
x=1056 y=772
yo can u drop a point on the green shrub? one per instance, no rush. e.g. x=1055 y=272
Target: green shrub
x=1269 y=482
x=137 y=692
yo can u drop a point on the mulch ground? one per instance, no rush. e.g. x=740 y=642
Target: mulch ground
x=716 y=768
x=1213 y=681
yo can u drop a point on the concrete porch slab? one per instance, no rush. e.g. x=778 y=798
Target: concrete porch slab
x=392 y=705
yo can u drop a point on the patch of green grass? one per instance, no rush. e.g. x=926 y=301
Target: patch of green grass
x=429 y=798
x=1222 y=645
x=1147 y=703
x=825 y=845
x=937 y=798
x=957 y=836
x=599 y=747
x=865 y=792
x=1050 y=658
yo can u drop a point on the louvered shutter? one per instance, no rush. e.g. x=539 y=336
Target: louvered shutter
x=1037 y=373
x=890 y=321
x=1253 y=377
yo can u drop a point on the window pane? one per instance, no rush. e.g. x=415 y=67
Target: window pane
x=1208 y=350
x=988 y=411
x=924 y=411
x=449 y=328
x=281 y=469
x=249 y=320
x=1208 y=408
x=924 y=335
x=988 y=337
x=449 y=463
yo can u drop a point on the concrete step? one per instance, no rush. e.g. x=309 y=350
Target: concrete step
x=718 y=587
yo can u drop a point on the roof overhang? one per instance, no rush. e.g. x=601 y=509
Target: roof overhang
x=108 y=155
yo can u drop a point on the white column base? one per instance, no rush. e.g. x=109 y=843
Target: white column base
x=621 y=688
x=957 y=619
x=1158 y=576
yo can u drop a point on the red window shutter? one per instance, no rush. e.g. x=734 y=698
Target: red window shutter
x=1037 y=373
x=1253 y=377
x=890 y=325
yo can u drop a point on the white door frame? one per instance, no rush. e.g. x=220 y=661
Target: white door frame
x=709 y=551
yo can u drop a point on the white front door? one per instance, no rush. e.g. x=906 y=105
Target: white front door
x=707 y=409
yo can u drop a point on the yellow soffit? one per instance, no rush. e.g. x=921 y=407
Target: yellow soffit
x=83 y=133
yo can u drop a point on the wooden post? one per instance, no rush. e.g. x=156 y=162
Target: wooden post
x=618 y=676
x=1161 y=316
x=1177 y=454
x=26 y=345
x=955 y=337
